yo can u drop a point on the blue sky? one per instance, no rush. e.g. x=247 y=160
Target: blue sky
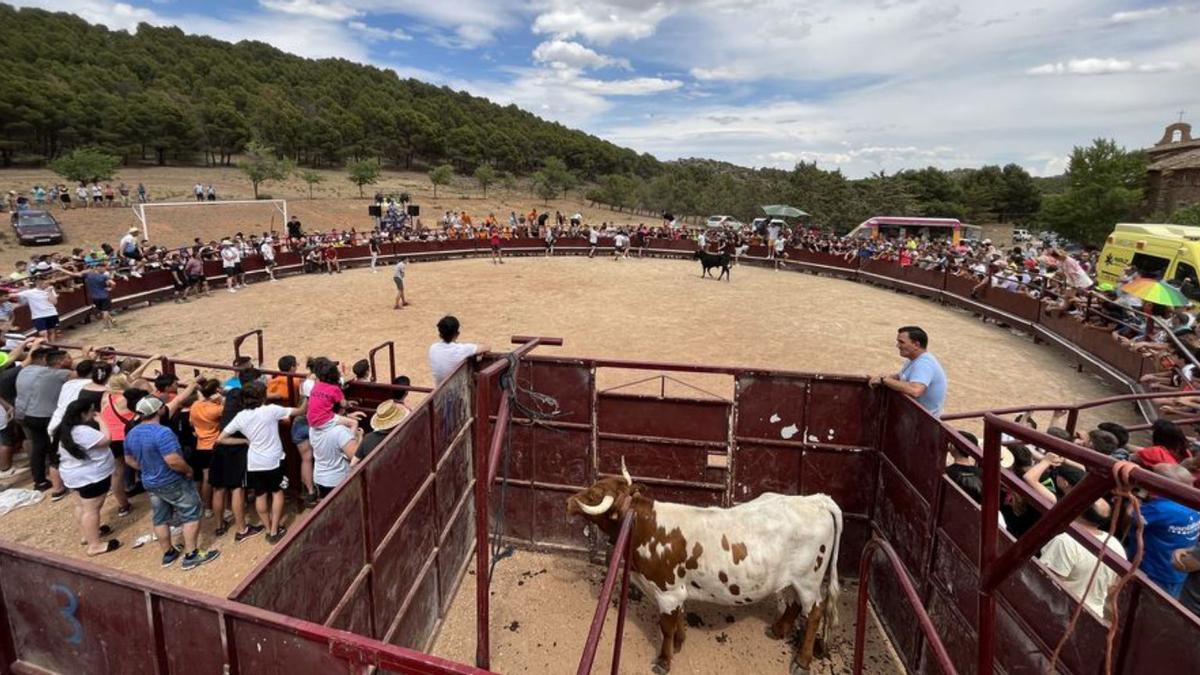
x=864 y=85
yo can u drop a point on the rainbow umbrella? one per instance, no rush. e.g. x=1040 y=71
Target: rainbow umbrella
x=1156 y=292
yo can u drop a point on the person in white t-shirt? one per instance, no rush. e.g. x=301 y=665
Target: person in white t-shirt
x=259 y=423
x=86 y=466
x=334 y=447
x=398 y=278
x=620 y=245
x=231 y=262
x=267 y=251
x=42 y=300
x=593 y=240
x=445 y=356
x=1071 y=563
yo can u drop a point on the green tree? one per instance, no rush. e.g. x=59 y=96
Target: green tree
x=544 y=186
x=1104 y=187
x=311 y=178
x=1021 y=198
x=261 y=165
x=508 y=182
x=485 y=175
x=86 y=165
x=364 y=172
x=442 y=175
x=1188 y=215
x=555 y=171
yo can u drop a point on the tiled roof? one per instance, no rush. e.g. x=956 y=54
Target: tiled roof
x=1189 y=159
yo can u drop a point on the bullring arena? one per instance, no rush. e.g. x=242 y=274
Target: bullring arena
x=392 y=556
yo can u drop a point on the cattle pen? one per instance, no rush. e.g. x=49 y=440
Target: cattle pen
x=489 y=458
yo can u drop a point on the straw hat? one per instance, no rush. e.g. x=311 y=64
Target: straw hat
x=134 y=230
x=387 y=415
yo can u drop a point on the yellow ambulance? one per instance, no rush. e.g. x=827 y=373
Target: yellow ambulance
x=1169 y=252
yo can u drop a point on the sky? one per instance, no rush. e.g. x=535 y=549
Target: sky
x=860 y=85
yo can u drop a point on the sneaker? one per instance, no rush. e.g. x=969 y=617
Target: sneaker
x=222 y=528
x=274 y=538
x=60 y=495
x=232 y=291
x=172 y=555
x=199 y=557
x=250 y=531
x=310 y=499
x=43 y=486
x=208 y=513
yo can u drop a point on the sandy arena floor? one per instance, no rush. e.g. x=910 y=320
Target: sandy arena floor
x=542 y=605
x=635 y=309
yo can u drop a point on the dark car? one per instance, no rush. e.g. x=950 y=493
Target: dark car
x=36 y=227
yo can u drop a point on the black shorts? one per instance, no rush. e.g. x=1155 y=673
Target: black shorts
x=236 y=269
x=118 y=452
x=263 y=482
x=195 y=281
x=227 y=467
x=495 y=248
x=45 y=323
x=102 y=304
x=198 y=459
x=97 y=489
x=178 y=284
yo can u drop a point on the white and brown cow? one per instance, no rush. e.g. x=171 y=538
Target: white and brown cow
x=737 y=556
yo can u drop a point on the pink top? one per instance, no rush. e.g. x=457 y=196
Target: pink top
x=322 y=401
x=114 y=421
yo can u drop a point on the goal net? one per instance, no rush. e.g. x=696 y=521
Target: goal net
x=183 y=221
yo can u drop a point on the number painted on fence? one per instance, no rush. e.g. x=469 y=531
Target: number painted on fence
x=68 y=613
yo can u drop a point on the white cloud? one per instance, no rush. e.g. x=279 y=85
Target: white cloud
x=376 y=34
x=115 y=15
x=1110 y=66
x=600 y=21
x=317 y=9
x=637 y=86
x=567 y=54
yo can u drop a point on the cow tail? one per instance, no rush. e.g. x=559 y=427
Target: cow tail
x=835 y=587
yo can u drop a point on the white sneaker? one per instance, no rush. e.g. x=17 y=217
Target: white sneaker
x=232 y=290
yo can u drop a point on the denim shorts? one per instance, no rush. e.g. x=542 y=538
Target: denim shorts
x=179 y=498
x=299 y=429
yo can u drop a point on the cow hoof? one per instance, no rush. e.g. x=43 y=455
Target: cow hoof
x=660 y=669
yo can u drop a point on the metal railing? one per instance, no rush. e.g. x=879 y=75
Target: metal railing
x=622 y=556
x=487 y=449
x=934 y=641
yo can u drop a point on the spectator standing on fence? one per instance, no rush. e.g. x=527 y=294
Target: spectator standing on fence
x=921 y=376
x=87 y=467
x=154 y=450
x=444 y=356
x=259 y=423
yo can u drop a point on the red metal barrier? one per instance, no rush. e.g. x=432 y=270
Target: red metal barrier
x=391 y=347
x=622 y=556
x=237 y=344
x=911 y=596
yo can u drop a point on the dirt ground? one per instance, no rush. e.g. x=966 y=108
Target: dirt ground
x=634 y=309
x=542 y=605
x=335 y=204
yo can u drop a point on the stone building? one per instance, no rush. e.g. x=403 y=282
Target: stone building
x=1173 y=171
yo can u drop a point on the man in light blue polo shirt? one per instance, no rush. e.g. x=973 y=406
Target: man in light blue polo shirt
x=922 y=376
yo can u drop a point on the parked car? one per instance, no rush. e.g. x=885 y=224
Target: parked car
x=36 y=227
x=723 y=221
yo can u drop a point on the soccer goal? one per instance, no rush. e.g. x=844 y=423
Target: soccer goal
x=139 y=210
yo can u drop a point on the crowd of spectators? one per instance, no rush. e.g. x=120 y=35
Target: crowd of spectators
x=85 y=195
x=96 y=425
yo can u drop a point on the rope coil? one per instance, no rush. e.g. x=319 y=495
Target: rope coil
x=1123 y=491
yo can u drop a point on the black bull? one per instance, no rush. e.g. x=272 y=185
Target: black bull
x=711 y=260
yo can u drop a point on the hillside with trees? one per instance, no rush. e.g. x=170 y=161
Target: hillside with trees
x=84 y=101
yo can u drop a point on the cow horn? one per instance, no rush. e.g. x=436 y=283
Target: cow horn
x=625 y=472
x=604 y=505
